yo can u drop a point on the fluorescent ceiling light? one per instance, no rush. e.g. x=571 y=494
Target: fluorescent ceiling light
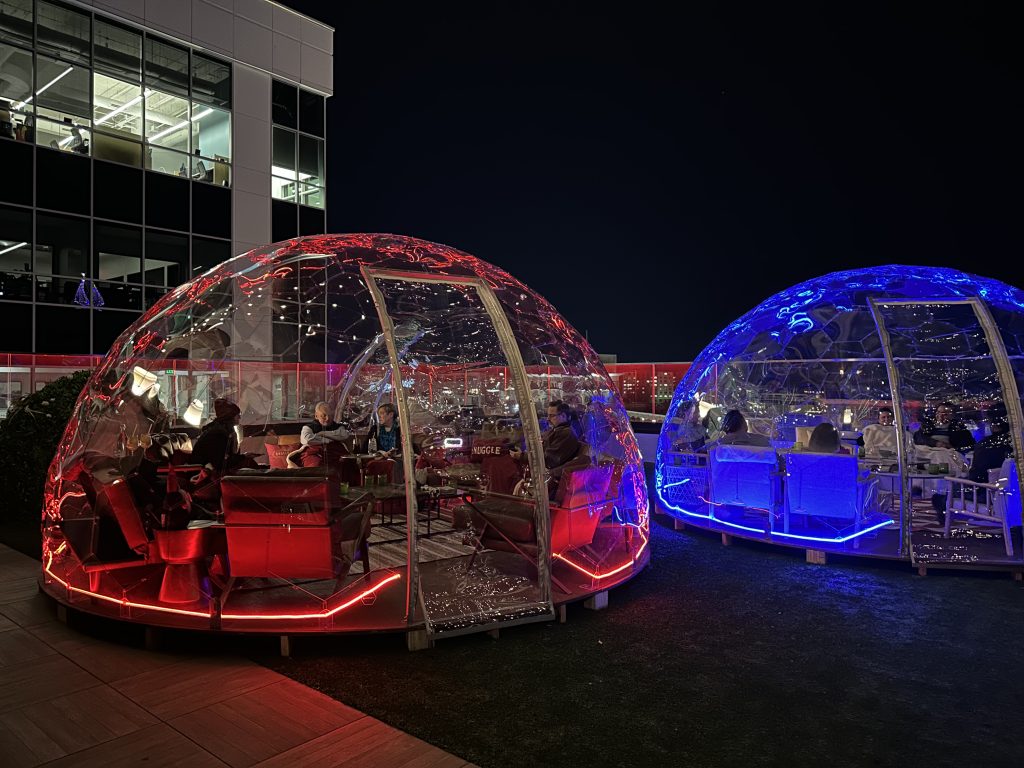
x=58 y=77
x=122 y=108
x=179 y=126
x=277 y=170
x=10 y=248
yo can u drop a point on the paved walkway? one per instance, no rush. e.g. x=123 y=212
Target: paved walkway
x=70 y=699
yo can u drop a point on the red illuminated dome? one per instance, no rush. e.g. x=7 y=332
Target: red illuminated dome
x=199 y=484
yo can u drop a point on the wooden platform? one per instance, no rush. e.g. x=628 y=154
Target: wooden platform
x=70 y=699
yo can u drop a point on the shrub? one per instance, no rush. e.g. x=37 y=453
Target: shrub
x=28 y=441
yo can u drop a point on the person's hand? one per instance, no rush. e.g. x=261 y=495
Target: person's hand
x=515 y=452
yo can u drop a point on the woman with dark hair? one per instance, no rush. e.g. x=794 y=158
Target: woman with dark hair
x=825 y=439
x=735 y=432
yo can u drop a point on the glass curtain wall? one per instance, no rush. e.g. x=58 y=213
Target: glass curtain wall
x=95 y=87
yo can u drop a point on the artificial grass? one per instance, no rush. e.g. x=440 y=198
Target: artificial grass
x=715 y=656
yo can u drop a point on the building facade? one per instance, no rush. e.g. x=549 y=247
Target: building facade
x=143 y=142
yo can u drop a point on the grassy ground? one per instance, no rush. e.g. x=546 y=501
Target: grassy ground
x=714 y=656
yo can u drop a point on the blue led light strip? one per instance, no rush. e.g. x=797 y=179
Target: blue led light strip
x=771 y=534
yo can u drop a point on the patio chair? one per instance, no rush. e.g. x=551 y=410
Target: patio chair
x=827 y=486
x=996 y=502
x=744 y=476
x=112 y=538
x=292 y=527
x=507 y=524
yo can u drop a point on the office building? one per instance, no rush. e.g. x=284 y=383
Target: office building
x=143 y=142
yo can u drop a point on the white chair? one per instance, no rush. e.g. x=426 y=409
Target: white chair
x=1001 y=505
x=827 y=485
x=744 y=476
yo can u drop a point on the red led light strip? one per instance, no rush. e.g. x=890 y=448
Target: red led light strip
x=205 y=614
x=599 y=576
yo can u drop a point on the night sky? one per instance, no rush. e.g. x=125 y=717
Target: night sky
x=656 y=176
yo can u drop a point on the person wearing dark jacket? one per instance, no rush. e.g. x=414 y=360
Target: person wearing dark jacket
x=944 y=431
x=991 y=452
x=560 y=443
x=323 y=429
x=217 y=440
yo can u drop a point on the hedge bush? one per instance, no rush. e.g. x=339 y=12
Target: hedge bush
x=28 y=440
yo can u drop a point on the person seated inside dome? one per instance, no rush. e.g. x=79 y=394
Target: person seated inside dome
x=880 y=440
x=735 y=432
x=992 y=451
x=323 y=428
x=944 y=431
x=385 y=436
x=560 y=443
x=825 y=439
x=217 y=441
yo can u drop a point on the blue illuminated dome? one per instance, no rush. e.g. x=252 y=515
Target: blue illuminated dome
x=840 y=349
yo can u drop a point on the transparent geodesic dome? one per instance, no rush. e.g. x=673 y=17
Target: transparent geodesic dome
x=917 y=372
x=251 y=452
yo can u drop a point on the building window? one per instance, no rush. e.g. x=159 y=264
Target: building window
x=207 y=253
x=61 y=257
x=118 y=49
x=297 y=173
x=283 y=220
x=117 y=119
x=107 y=327
x=15 y=254
x=311 y=113
x=167 y=260
x=16 y=21
x=116 y=106
x=211 y=144
x=285 y=104
x=62 y=105
x=211 y=81
x=118 y=253
x=63 y=32
x=62 y=329
x=16 y=316
x=166 y=66
x=15 y=92
x=167 y=120
x=116 y=192
x=282 y=169
x=167 y=202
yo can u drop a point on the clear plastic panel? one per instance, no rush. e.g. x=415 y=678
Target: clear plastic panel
x=808 y=359
x=959 y=486
x=477 y=526
x=187 y=490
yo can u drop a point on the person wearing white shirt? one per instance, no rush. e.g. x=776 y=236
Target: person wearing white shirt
x=880 y=440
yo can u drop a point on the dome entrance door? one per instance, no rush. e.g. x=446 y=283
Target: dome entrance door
x=958 y=423
x=475 y=514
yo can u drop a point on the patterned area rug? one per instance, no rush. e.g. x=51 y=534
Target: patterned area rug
x=389 y=549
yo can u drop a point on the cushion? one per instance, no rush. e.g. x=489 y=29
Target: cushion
x=514 y=519
x=278 y=455
x=491 y=447
x=283 y=439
